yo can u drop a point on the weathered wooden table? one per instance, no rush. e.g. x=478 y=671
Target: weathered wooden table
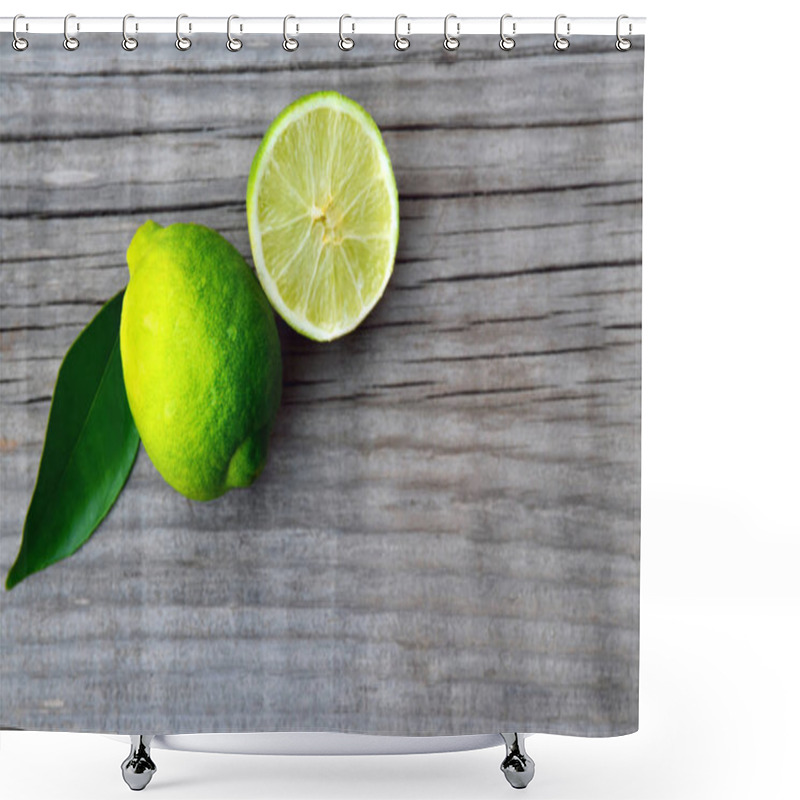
x=446 y=536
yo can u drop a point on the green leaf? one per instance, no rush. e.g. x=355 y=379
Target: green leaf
x=89 y=448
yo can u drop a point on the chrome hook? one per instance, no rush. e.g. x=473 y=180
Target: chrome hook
x=18 y=43
x=507 y=42
x=400 y=42
x=289 y=44
x=451 y=42
x=182 y=42
x=233 y=44
x=128 y=42
x=345 y=42
x=623 y=44
x=70 y=42
x=561 y=42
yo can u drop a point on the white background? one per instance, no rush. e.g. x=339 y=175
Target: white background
x=720 y=603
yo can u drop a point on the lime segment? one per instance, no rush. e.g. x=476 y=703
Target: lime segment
x=323 y=215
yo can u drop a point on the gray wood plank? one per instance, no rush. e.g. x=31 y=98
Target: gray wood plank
x=446 y=536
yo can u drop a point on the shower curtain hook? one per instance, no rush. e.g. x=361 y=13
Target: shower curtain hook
x=400 y=42
x=451 y=42
x=18 y=43
x=233 y=44
x=128 y=42
x=507 y=42
x=289 y=44
x=561 y=43
x=70 y=42
x=622 y=44
x=345 y=42
x=182 y=42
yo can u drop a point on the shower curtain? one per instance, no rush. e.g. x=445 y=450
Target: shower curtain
x=444 y=538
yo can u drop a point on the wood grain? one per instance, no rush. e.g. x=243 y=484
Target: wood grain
x=446 y=537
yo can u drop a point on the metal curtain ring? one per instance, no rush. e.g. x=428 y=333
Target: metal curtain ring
x=233 y=44
x=70 y=42
x=289 y=44
x=18 y=43
x=345 y=42
x=128 y=42
x=400 y=42
x=181 y=42
x=451 y=42
x=507 y=42
x=560 y=43
x=622 y=44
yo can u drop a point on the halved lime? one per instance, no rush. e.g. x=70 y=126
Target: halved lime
x=323 y=215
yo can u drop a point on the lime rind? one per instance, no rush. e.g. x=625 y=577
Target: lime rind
x=320 y=290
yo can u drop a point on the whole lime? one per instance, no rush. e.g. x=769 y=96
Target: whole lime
x=200 y=358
